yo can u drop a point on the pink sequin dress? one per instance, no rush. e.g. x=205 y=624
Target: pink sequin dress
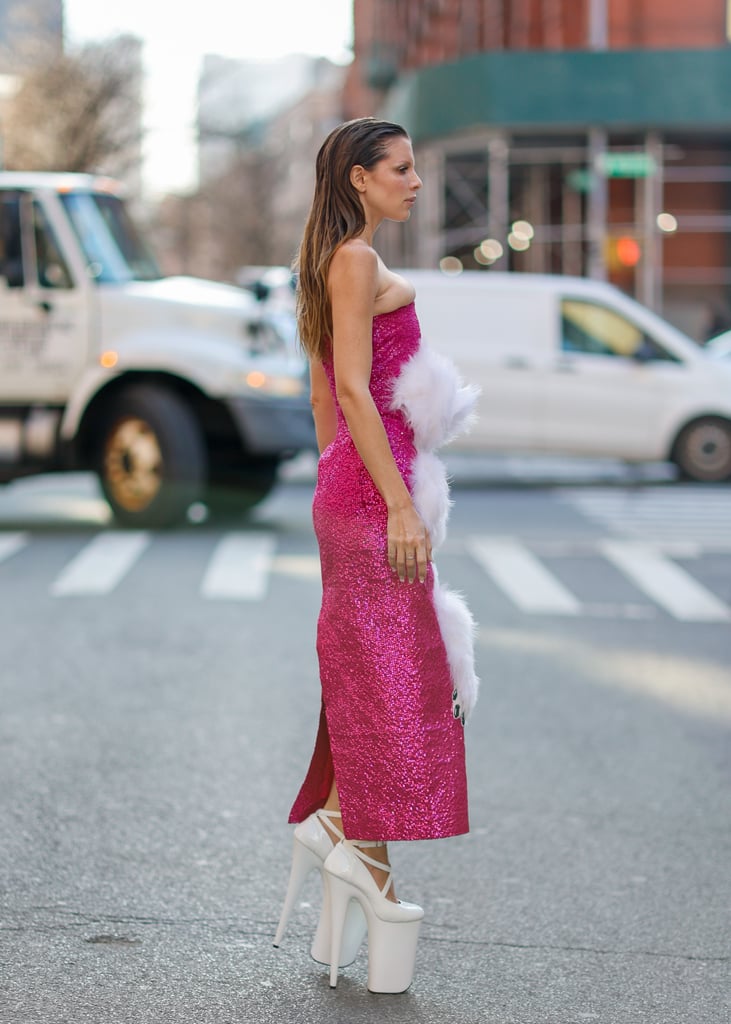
x=391 y=653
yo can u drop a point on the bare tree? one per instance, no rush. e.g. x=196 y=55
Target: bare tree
x=77 y=111
x=241 y=209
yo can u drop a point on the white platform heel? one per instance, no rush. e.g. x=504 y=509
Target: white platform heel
x=393 y=928
x=312 y=845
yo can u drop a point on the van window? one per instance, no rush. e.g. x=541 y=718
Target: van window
x=53 y=271
x=11 y=253
x=597 y=330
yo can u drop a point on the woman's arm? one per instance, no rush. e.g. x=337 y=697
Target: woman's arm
x=353 y=283
x=323 y=406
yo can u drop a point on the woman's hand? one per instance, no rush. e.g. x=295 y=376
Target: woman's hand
x=409 y=545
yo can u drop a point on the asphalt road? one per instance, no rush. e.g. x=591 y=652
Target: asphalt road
x=158 y=701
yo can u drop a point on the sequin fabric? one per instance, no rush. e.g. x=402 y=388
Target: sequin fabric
x=386 y=726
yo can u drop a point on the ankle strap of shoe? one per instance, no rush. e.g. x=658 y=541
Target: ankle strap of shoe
x=358 y=845
x=323 y=813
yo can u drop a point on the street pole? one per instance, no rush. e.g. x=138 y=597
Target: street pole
x=598 y=199
x=427 y=240
x=651 y=199
x=598 y=25
x=498 y=191
x=598 y=205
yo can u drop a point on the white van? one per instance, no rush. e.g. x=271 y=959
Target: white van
x=574 y=366
x=171 y=389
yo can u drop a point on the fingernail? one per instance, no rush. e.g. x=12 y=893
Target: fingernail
x=454 y=694
x=463 y=721
x=456 y=711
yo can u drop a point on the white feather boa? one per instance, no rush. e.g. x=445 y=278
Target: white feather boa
x=458 y=632
x=438 y=406
x=430 y=491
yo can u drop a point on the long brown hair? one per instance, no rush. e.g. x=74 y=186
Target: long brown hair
x=335 y=216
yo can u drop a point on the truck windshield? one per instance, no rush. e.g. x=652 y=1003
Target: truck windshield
x=114 y=250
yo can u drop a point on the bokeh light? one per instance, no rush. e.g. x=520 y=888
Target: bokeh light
x=488 y=251
x=450 y=265
x=518 y=242
x=628 y=251
x=666 y=222
x=523 y=229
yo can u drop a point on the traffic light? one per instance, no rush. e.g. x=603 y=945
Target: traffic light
x=623 y=252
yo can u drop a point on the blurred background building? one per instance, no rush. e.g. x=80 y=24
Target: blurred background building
x=562 y=136
x=64 y=108
x=586 y=137
x=237 y=99
x=28 y=31
x=23 y=23
x=259 y=127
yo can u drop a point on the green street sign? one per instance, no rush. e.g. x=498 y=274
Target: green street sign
x=581 y=180
x=626 y=165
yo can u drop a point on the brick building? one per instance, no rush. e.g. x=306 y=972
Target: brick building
x=563 y=136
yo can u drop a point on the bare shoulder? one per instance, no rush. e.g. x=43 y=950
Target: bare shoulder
x=353 y=276
x=355 y=255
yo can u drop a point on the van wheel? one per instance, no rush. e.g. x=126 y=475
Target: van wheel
x=151 y=458
x=703 y=450
x=232 y=494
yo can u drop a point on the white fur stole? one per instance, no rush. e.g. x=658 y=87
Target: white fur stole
x=438 y=406
x=458 y=632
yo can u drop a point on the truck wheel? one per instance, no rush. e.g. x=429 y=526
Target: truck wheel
x=703 y=450
x=151 y=458
x=233 y=494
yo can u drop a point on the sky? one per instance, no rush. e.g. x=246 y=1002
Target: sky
x=176 y=37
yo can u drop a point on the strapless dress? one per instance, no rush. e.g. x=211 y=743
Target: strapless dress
x=391 y=653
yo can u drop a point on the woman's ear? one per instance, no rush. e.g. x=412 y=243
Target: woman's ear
x=358 y=178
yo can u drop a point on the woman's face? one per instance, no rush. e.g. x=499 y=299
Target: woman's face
x=388 y=190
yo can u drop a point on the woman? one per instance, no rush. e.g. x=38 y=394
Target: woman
x=395 y=648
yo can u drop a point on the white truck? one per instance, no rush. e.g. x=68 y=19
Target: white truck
x=173 y=390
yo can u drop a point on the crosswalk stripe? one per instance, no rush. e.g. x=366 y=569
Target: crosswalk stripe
x=695 y=513
x=526 y=581
x=239 y=567
x=10 y=543
x=665 y=582
x=101 y=564
x=306 y=567
x=243 y=562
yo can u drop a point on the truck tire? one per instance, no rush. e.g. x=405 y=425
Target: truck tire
x=232 y=495
x=151 y=457
x=703 y=450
